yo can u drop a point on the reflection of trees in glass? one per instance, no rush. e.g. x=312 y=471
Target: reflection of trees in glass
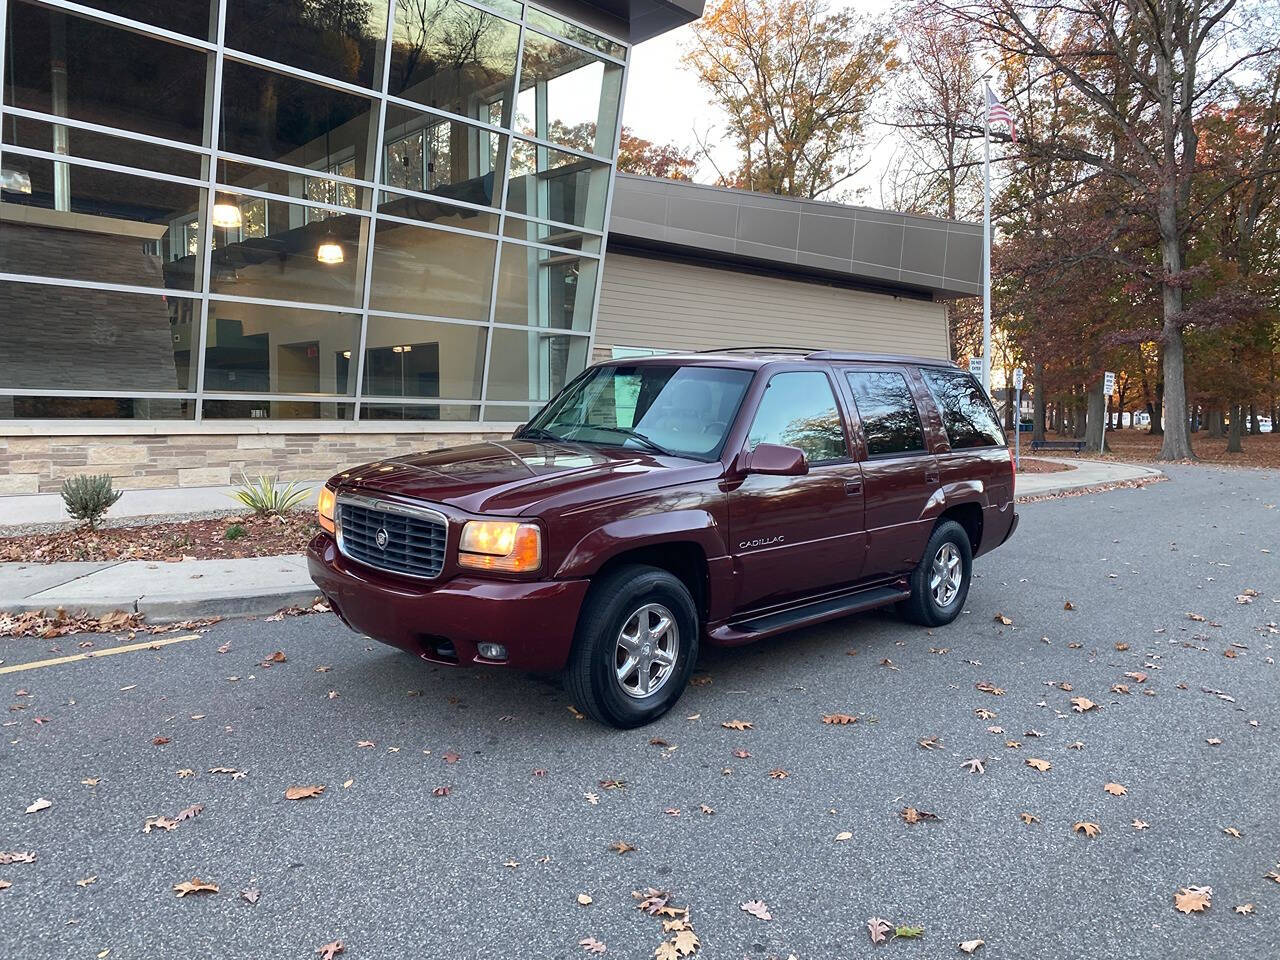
x=451 y=50
x=890 y=421
x=338 y=38
x=821 y=436
x=966 y=413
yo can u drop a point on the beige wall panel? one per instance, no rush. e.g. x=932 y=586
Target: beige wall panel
x=677 y=306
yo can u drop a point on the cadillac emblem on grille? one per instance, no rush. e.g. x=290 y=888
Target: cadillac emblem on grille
x=380 y=538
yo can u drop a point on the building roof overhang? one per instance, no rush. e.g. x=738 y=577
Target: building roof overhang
x=875 y=249
x=631 y=21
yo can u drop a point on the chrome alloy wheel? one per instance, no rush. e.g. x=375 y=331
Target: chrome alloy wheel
x=946 y=575
x=645 y=656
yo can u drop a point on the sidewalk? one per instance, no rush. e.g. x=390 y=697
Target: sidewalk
x=262 y=585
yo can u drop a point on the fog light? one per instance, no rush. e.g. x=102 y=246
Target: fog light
x=492 y=651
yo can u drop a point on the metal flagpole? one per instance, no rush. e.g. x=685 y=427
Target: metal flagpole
x=986 y=237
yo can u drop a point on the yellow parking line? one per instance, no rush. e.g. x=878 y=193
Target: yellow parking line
x=95 y=654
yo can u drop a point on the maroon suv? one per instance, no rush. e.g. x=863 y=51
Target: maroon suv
x=658 y=503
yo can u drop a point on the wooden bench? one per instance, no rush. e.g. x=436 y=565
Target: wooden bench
x=1075 y=446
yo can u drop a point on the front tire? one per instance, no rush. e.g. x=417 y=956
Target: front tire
x=634 y=648
x=940 y=581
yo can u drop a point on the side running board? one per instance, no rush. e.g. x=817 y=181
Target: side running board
x=820 y=610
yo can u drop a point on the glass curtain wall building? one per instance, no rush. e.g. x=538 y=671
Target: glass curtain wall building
x=299 y=209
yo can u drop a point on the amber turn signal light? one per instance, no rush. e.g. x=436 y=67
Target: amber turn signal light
x=324 y=508
x=506 y=545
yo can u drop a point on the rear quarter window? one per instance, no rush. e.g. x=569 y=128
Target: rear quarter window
x=967 y=414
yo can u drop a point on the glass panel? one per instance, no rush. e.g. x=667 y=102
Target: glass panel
x=511 y=413
x=414 y=358
x=303 y=124
x=554 y=185
x=453 y=57
x=431 y=272
x=74 y=142
x=259 y=348
x=449 y=158
x=430 y=411
x=95 y=408
x=890 y=420
x=285 y=251
x=433 y=211
x=967 y=414
x=191 y=17
x=215 y=409
x=799 y=410
x=555 y=235
x=545 y=21
x=545 y=288
x=66 y=338
x=103 y=74
x=533 y=365
x=338 y=38
x=284 y=183
x=567 y=96
x=88 y=224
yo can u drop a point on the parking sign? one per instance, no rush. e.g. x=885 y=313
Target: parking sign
x=1108 y=383
x=1017 y=378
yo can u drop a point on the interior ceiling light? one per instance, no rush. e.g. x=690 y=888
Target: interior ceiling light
x=226 y=214
x=15 y=181
x=330 y=251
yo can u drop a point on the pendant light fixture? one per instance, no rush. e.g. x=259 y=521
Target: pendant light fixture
x=226 y=214
x=330 y=250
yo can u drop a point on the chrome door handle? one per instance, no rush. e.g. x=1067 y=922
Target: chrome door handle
x=932 y=476
x=852 y=487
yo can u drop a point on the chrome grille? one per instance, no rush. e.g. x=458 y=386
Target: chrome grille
x=413 y=537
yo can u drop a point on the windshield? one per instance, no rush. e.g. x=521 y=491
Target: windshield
x=682 y=411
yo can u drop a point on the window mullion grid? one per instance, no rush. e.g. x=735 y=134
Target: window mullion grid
x=213 y=99
x=377 y=146
x=502 y=225
x=608 y=210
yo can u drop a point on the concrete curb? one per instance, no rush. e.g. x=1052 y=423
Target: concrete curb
x=1087 y=474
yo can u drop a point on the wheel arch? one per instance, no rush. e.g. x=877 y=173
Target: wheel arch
x=969 y=516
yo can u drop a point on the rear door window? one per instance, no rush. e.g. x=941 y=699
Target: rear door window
x=890 y=420
x=799 y=410
x=967 y=414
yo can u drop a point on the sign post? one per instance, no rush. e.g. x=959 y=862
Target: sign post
x=1017 y=418
x=1108 y=388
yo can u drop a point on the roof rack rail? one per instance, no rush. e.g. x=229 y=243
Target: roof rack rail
x=767 y=348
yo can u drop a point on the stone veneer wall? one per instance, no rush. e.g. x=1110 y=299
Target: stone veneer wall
x=32 y=464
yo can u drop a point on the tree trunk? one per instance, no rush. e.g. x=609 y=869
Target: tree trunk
x=1177 y=431
x=1213 y=422
x=1255 y=427
x=1157 y=408
x=1094 y=417
x=1037 y=375
x=1237 y=429
x=1196 y=413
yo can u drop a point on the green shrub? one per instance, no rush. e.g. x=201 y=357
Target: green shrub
x=266 y=498
x=235 y=532
x=89 y=497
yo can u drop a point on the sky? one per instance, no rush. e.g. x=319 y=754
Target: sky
x=665 y=103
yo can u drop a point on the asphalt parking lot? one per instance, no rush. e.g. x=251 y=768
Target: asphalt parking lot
x=464 y=812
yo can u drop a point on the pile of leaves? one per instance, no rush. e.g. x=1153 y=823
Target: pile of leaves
x=1261 y=450
x=1029 y=465
x=37 y=623
x=188 y=539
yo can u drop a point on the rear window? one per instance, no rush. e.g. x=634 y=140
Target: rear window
x=890 y=421
x=967 y=414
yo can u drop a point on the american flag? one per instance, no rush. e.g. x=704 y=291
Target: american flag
x=998 y=113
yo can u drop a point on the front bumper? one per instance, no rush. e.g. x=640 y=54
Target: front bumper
x=443 y=622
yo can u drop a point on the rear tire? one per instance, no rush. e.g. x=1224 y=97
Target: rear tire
x=634 y=647
x=940 y=581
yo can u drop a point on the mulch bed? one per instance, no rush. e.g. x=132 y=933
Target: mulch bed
x=1262 y=450
x=180 y=540
x=1029 y=465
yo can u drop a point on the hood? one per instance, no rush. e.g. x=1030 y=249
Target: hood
x=520 y=476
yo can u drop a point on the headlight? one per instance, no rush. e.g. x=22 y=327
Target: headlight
x=324 y=507
x=506 y=545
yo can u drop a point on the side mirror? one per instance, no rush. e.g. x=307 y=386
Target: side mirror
x=775 y=460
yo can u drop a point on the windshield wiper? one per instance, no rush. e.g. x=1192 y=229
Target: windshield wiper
x=538 y=433
x=634 y=434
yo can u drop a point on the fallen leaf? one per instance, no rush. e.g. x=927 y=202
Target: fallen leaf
x=277 y=657
x=185 y=774
x=912 y=815
x=366 y=744
x=584 y=899
x=302 y=793
x=1082 y=704
x=441 y=791
x=666 y=950
x=16 y=856
x=1137 y=676
x=591 y=945
x=577 y=714
x=984 y=714
x=974 y=765
x=1088 y=829
x=159 y=823
x=1115 y=789
x=90 y=781
x=1140 y=824
x=707 y=811
x=348 y=782
x=1028 y=818
x=686 y=942
x=930 y=743
x=1244 y=909
x=613 y=784
x=40 y=804
x=1196 y=617
x=985 y=686
x=592 y=798
x=1232 y=832
x=1001 y=618
x=839 y=719
x=194 y=885
x=1193 y=899
x=1122 y=647
x=1214 y=741
x=879 y=929
x=161 y=741
x=757 y=909
x=1066 y=606
x=741 y=754
x=330 y=950
x=843 y=835
x=658 y=742
x=451 y=757
x=779 y=773
x=1274 y=875
x=87 y=881
x=908 y=933
x=1119 y=688
x=968 y=946
x=620 y=847
x=5 y=884
x=250 y=894
x=737 y=725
